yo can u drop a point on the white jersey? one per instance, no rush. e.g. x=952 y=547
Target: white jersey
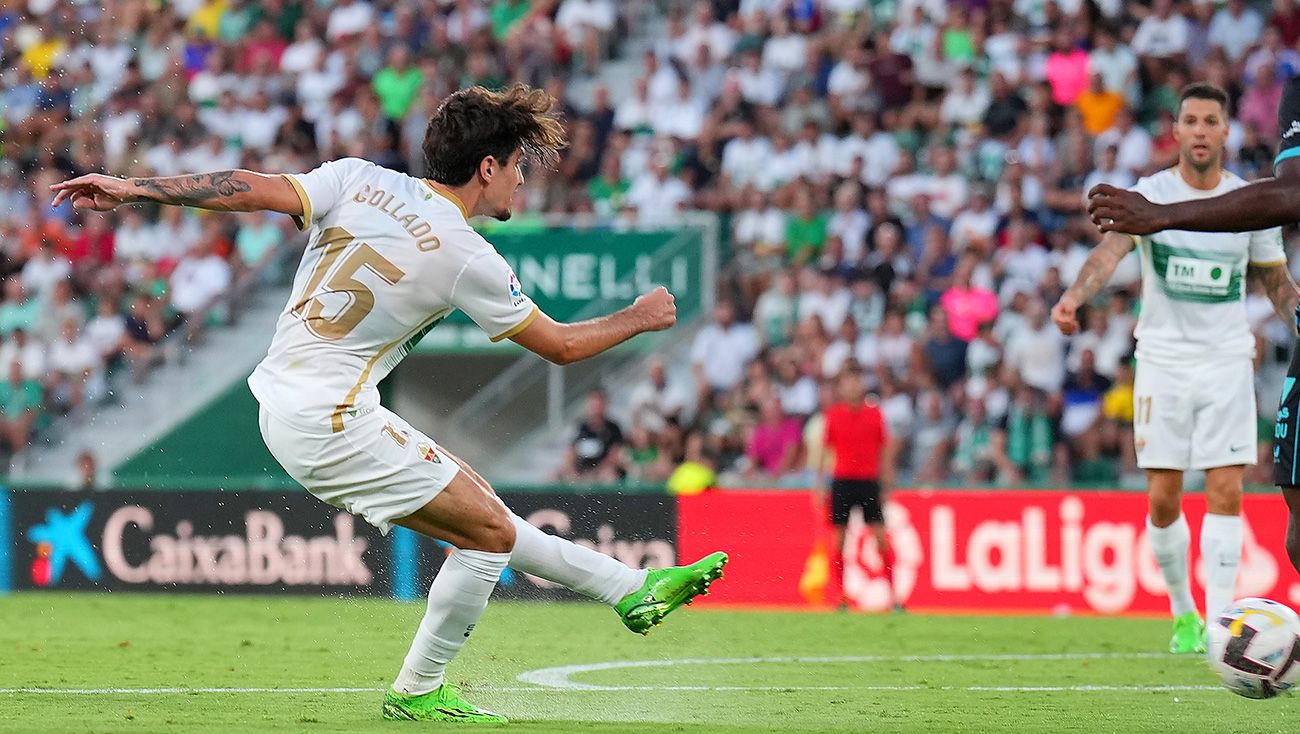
x=1194 y=283
x=388 y=258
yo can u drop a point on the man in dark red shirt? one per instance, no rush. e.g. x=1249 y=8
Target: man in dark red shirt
x=856 y=434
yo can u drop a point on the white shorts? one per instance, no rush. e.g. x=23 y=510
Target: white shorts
x=1195 y=416
x=378 y=467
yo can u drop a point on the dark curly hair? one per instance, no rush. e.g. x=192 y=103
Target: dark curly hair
x=475 y=123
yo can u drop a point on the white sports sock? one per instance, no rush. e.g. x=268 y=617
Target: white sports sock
x=1221 y=553
x=1171 y=545
x=588 y=572
x=457 y=598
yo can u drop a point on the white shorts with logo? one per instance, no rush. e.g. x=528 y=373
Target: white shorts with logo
x=1195 y=416
x=377 y=467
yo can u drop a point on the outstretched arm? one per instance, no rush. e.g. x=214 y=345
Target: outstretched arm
x=1279 y=287
x=567 y=343
x=1271 y=202
x=1093 y=276
x=232 y=191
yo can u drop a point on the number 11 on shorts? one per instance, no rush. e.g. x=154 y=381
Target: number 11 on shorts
x=1142 y=411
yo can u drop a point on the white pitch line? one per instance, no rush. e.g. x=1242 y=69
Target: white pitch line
x=550 y=679
x=561 y=676
x=615 y=689
x=89 y=691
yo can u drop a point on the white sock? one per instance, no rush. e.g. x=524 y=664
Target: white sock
x=1171 y=545
x=1221 y=553
x=457 y=598
x=588 y=572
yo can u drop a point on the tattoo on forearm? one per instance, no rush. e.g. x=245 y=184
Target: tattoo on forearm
x=196 y=190
x=1279 y=288
x=1097 y=269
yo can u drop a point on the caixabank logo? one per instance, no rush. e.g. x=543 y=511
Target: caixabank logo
x=229 y=541
x=61 y=540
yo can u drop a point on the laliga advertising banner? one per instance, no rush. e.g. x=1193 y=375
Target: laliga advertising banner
x=199 y=541
x=980 y=550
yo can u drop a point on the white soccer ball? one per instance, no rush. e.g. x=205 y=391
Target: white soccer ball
x=1254 y=646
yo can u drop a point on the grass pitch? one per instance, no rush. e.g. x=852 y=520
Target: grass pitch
x=150 y=664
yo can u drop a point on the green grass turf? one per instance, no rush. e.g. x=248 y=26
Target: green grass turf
x=63 y=640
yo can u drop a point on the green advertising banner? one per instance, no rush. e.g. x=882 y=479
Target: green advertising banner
x=579 y=274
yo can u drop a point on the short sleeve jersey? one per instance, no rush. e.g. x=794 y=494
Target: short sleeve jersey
x=1194 y=283
x=858 y=435
x=1288 y=121
x=388 y=257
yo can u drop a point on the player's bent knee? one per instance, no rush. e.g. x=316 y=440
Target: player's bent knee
x=497 y=535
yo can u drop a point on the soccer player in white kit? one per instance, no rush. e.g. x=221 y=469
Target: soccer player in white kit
x=389 y=256
x=1194 y=397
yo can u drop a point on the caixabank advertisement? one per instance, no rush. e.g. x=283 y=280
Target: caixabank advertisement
x=192 y=541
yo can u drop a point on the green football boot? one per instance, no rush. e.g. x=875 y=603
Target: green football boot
x=442 y=704
x=1189 y=635
x=666 y=589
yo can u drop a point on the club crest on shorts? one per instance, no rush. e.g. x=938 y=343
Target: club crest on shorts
x=516 y=293
x=427 y=453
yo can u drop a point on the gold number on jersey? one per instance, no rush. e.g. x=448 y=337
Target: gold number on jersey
x=332 y=243
x=1142 y=412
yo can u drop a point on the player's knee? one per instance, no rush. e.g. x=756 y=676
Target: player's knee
x=1223 y=500
x=1223 y=490
x=1165 y=506
x=497 y=535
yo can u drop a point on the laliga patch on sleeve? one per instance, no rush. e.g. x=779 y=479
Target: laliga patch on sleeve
x=516 y=293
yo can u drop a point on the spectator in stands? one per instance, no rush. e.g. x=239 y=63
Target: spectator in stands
x=944 y=353
x=1117 y=410
x=774 y=444
x=18 y=311
x=979 y=451
x=87 y=477
x=968 y=307
x=107 y=331
x=73 y=364
x=21 y=409
x=145 y=329
x=1098 y=105
x=655 y=401
x=594 y=453
x=722 y=349
x=197 y=285
x=805 y=124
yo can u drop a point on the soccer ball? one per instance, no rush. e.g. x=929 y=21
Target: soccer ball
x=1254 y=646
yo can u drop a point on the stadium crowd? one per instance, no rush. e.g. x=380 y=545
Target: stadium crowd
x=905 y=186
x=143 y=88
x=902 y=181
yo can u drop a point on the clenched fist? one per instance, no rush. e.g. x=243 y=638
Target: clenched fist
x=1127 y=212
x=657 y=308
x=1064 y=313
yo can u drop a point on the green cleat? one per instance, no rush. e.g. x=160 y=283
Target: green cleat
x=1189 y=635
x=442 y=704
x=666 y=589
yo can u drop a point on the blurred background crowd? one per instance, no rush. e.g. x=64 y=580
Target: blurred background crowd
x=901 y=184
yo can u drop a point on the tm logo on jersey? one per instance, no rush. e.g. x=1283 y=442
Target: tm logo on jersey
x=1196 y=275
